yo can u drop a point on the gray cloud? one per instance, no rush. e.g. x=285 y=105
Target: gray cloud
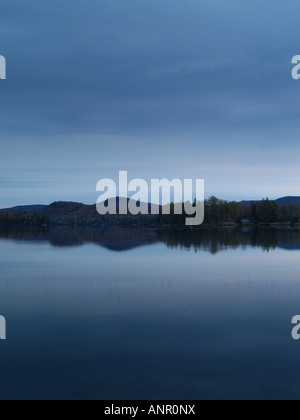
x=96 y=85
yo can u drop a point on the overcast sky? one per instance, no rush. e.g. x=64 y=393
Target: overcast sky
x=161 y=88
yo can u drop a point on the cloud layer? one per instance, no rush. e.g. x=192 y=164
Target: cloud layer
x=156 y=87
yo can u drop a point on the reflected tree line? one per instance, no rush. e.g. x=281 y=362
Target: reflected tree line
x=218 y=240
x=212 y=240
x=10 y=220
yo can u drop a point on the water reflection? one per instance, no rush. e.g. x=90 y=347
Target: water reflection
x=209 y=240
x=87 y=321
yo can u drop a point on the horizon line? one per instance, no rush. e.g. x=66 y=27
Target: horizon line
x=118 y=197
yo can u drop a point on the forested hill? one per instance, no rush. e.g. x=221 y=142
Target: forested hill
x=286 y=201
x=23 y=209
x=69 y=213
x=295 y=201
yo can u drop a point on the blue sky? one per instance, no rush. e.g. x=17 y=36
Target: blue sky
x=160 y=88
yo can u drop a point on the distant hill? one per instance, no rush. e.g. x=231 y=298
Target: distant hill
x=68 y=213
x=284 y=201
x=289 y=201
x=22 y=209
x=69 y=209
x=66 y=209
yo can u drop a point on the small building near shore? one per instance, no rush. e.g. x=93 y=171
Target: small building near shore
x=246 y=221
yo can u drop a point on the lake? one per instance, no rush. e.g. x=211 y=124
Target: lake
x=125 y=314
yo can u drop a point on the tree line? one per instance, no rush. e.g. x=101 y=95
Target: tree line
x=219 y=212
x=24 y=220
x=257 y=212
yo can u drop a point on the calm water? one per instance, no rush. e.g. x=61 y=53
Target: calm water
x=150 y=315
